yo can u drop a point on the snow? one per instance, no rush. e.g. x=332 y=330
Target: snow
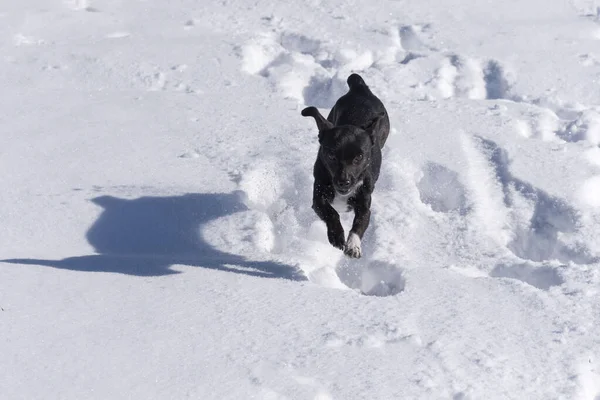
x=157 y=237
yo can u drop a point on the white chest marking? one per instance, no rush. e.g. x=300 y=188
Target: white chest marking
x=340 y=202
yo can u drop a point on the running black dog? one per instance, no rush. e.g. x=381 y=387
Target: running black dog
x=348 y=162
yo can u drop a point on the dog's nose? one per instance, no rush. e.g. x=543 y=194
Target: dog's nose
x=344 y=183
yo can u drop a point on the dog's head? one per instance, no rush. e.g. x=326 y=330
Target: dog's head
x=345 y=150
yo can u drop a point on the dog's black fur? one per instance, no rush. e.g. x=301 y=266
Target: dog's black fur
x=349 y=160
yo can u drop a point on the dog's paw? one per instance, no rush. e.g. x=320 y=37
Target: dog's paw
x=336 y=238
x=353 y=248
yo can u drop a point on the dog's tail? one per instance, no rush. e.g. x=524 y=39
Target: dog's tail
x=355 y=81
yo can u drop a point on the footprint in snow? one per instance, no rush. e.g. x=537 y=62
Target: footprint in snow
x=441 y=189
x=374 y=278
x=542 y=277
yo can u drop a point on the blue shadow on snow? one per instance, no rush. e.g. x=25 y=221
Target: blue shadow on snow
x=145 y=236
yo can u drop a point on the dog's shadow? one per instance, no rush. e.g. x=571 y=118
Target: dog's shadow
x=146 y=236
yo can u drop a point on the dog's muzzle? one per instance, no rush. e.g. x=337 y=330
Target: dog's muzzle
x=343 y=186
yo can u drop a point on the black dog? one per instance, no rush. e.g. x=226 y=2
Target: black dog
x=348 y=162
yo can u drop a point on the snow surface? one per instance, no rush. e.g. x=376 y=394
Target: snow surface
x=156 y=231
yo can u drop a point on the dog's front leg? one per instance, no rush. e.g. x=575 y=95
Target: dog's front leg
x=362 y=217
x=335 y=231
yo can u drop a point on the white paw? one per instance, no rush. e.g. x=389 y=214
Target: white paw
x=353 y=246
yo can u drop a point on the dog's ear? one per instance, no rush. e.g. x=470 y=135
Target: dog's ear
x=322 y=123
x=372 y=126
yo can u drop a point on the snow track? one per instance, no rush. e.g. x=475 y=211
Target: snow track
x=481 y=209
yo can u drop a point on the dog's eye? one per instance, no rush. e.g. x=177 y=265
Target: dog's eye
x=331 y=156
x=357 y=159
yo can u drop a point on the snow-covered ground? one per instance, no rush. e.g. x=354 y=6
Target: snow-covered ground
x=155 y=223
